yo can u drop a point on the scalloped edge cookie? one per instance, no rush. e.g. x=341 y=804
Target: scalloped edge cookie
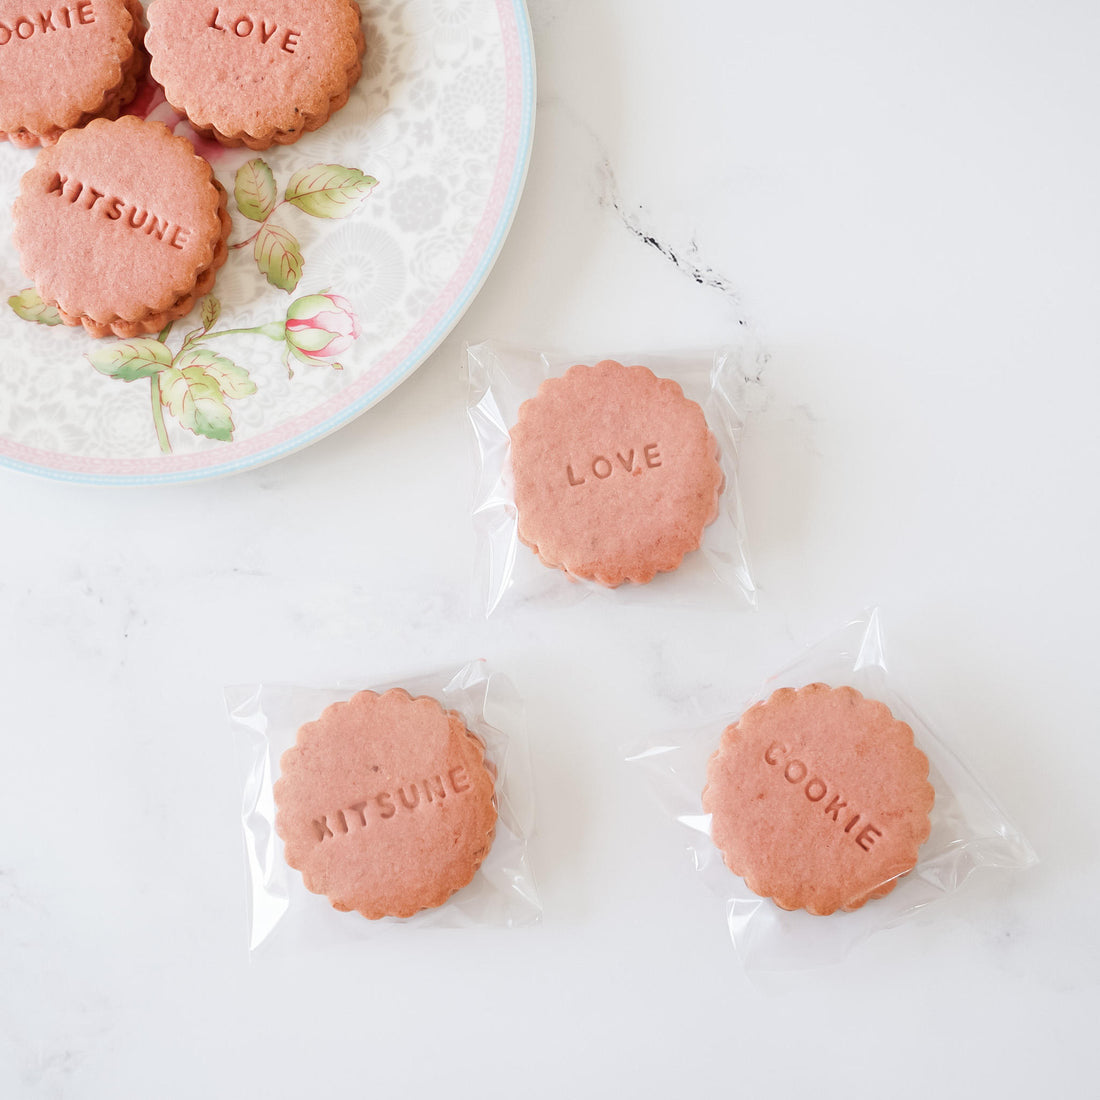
x=45 y=122
x=225 y=110
x=125 y=147
x=819 y=798
x=616 y=473
x=386 y=804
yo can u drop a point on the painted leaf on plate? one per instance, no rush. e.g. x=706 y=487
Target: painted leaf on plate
x=129 y=360
x=233 y=381
x=195 y=400
x=210 y=310
x=195 y=391
x=329 y=190
x=28 y=304
x=279 y=257
x=255 y=190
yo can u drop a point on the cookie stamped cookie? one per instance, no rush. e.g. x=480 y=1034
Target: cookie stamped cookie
x=386 y=804
x=819 y=799
x=63 y=64
x=616 y=473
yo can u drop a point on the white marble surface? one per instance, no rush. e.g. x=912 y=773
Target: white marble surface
x=901 y=201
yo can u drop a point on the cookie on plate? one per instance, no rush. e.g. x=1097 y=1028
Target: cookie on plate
x=385 y=804
x=819 y=799
x=121 y=226
x=61 y=65
x=260 y=75
x=616 y=473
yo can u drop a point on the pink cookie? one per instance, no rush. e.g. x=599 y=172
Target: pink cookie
x=62 y=65
x=819 y=799
x=385 y=804
x=616 y=473
x=259 y=74
x=121 y=226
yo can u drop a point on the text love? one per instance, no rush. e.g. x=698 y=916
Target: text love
x=603 y=467
x=248 y=26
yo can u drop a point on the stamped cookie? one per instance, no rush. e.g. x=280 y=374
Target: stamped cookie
x=819 y=799
x=63 y=64
x=121 y=226
x=385 y=804
x=258 y=73
x=616 y=473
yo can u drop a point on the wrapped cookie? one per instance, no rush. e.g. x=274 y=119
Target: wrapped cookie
x=385 y=803
x=363 y=808
x=612 y=473
x=826 y=809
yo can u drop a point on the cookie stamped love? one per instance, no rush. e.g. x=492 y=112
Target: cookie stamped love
x=257 y=28
x=602 y=467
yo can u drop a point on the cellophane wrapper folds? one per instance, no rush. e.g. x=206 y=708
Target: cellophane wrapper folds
x=283 y=916
x=510 y=574
x=969 y=831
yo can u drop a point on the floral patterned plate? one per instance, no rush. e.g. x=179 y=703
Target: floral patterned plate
x=353 y=254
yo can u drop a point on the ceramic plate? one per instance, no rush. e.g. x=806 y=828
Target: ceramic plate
x=353 y=254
